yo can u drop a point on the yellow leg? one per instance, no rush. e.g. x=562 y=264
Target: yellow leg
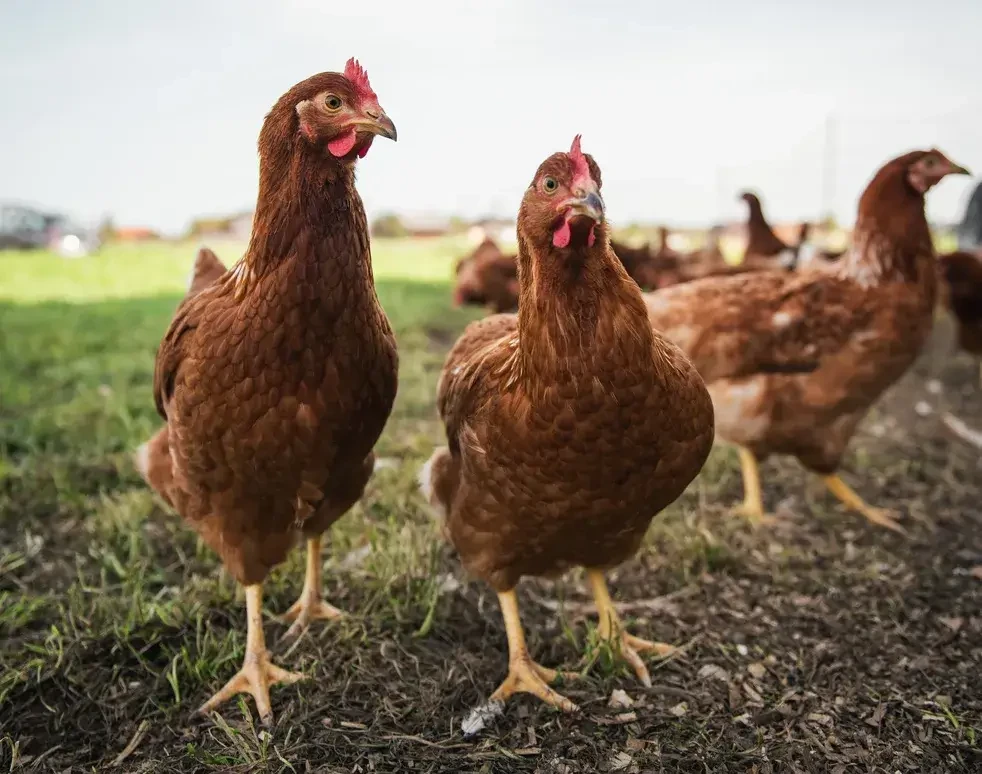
x=309 y=605
x=612 y=630
x=753 y=501
x=258 y=674
x=850 y=499
x=524 y=675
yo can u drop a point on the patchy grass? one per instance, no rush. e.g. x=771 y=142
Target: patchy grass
x=817 y=645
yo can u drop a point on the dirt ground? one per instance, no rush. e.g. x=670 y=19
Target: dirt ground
x=817 y=645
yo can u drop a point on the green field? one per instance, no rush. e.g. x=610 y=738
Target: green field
x=822 y=642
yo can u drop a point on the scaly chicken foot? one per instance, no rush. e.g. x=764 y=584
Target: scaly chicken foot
x=309 y=606
x=848 y=497
x=753 y=499
x=258 y=674
x=524 y=675
x=611 y=631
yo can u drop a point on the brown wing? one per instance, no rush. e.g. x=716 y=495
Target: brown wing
x=761 y=322
x=207 y=269
x=470 y=370
x=173 y=349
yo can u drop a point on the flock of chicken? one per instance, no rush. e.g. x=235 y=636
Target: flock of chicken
x=569 y=425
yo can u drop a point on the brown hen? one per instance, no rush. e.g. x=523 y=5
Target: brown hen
x=277 y=378
x=569 y=425
x=794 y=361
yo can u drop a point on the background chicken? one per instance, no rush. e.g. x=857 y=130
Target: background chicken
x=569 y=425
x=764 y=248
x=487 y=277
x=794 y=361
x=277 y=378
x=961 y=294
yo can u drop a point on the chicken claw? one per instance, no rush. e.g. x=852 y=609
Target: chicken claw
x=611 y=631
x=309 y=606
x=879 y=516
x=524 y=675
x=258 y=674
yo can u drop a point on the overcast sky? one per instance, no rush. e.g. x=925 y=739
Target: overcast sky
x=150 y=110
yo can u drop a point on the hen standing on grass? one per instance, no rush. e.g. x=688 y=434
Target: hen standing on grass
x=277 y=378
x=794 y=361
x=569 y=425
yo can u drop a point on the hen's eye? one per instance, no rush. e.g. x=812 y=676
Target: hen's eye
x=332 y=102
x=549 y=185
x=929 y=162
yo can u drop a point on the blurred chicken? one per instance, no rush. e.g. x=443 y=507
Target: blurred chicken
x=638 y=262
x=961 y=294
x=277 y=377
x=489 y=278
x=794 y=361
x=569 y=425
x=764 y=249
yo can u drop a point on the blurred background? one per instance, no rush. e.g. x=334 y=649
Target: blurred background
x=134 y=122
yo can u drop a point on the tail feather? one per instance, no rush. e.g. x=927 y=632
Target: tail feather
x=153 y=461
x=207 y=268
x=438 y=481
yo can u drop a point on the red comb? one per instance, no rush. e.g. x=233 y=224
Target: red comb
x=580 y=168
x=355 y=73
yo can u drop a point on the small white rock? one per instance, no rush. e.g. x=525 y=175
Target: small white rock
x=713 y=671
x=619 y=699
x=481 y=716
x=923 y=408
x=680 y=709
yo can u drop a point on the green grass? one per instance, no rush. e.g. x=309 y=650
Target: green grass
x=155 y=268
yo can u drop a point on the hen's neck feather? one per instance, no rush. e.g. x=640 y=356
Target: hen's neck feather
x=575 y=310
x=308 y=212
x=891 y=239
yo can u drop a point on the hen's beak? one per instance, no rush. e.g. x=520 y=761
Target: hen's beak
x=377 y=122
x=586 y=201
x=957 y=169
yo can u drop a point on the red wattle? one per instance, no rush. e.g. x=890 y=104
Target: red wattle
x=342 y=144
x=591 y=237
x=363 y=150
x=561 y=236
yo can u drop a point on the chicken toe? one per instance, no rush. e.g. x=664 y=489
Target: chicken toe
x=309 y=606
x=848 y=497
x=611 y=631
x=258 y=674
x=524 y=675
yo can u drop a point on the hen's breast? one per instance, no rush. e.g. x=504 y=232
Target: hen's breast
x=282 y=391
x=573 y=473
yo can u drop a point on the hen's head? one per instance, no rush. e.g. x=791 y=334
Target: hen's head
x=333 y=114
x=926 y=169
x=752 y=200
x=562 y=209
